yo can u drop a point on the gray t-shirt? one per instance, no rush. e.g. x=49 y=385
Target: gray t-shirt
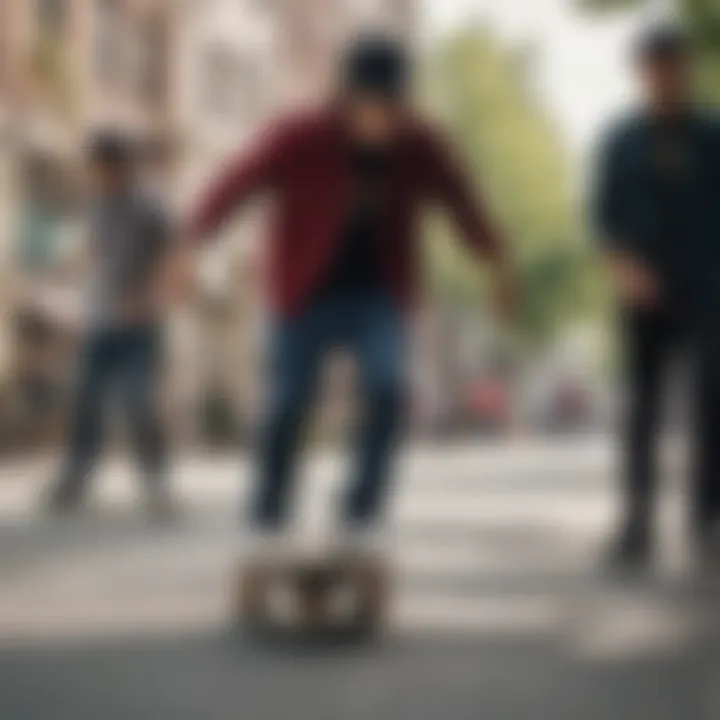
x=130 y=235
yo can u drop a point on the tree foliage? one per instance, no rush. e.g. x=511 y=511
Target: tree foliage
x=515 y=155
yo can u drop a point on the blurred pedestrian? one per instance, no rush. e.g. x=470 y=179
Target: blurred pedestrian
x=658 y=215
x=129 y=240
x=349 y=180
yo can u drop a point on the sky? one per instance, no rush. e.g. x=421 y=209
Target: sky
x=581 y=75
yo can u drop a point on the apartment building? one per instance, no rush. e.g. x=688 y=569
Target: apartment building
x=70 y=66
x=67 y=67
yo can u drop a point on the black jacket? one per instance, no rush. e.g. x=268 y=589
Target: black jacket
x=658 y=197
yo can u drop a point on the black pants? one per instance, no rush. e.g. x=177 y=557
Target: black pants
x=128 y=361
x=652 y=339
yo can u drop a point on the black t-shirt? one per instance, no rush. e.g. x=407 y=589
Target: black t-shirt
x=673 y=184
x=673 y=176
x=355 y=267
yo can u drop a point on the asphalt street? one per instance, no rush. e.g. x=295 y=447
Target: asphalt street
x=501 y=610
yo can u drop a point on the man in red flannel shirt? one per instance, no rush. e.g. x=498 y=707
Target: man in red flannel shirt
x=348 y=182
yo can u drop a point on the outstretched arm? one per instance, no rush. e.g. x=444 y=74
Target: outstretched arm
x=451 y=186
x=249 y=172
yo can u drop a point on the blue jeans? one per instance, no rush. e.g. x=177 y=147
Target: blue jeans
x=126 y=360
x=372 y=328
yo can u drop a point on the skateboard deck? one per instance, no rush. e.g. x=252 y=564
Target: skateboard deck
x=319 y=598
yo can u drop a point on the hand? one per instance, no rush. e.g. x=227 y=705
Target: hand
x=636 y=284
x=178 y=278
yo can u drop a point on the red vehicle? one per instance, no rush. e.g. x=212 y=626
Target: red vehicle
x=487 y=405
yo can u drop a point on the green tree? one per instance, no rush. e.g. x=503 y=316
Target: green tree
x=516 y=157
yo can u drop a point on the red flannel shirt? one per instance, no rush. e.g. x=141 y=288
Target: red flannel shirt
x=304 y=161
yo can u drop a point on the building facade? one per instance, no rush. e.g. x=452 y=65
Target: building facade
x=67 y=67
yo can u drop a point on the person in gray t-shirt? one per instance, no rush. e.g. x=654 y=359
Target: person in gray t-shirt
x=130 y=236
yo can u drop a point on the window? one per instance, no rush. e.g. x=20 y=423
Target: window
x=108 y=41
x=4 y=41
x=50 y=15
x=229 y=84
x=154 y=61
x=44 y=212
x=402 y=14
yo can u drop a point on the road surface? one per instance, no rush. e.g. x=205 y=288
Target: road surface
x=501 y=611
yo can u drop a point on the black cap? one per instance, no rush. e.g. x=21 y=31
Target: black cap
x=662 y=42
x=378 y=65
x=112 y=148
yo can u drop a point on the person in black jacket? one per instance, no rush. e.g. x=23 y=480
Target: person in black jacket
x=658 y=218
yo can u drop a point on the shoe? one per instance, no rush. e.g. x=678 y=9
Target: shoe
x=630 y=551
x=63 y=499
x=708 y=548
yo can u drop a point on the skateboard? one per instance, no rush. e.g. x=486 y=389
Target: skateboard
x=321 y=598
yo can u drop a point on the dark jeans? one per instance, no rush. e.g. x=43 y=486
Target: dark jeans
x=651 y=341
x=128 y=361
x=372 y=328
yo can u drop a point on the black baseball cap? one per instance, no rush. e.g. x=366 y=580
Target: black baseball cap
x=112 y=148
x=662 y=42
x=377 y=65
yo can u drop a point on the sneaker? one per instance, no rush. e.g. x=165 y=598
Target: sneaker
x=63 y=499
x=630 y=551
x=708 y=548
